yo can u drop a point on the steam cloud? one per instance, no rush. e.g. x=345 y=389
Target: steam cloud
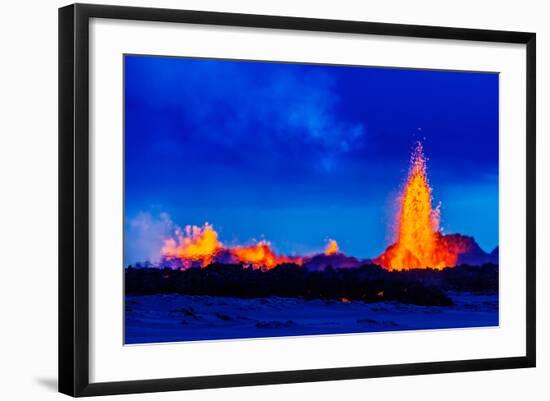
x=145 y=234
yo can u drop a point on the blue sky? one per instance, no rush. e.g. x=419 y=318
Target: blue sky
x=297 y=154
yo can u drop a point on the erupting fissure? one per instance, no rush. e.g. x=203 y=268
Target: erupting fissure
x=419 y=244
x=200 y=246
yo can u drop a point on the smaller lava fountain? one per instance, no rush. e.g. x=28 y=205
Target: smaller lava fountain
x=419 y=244
x=332 y=247
x=194 y=244
x=261 y=255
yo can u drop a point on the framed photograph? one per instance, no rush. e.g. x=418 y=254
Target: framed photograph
x=250 y=199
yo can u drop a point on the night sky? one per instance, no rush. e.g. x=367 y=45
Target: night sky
x=297 y=154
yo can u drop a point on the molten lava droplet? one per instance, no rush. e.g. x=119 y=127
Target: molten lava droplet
x=418 y=241
x=332 y=247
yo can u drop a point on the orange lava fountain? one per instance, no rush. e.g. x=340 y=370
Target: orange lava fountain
x=195 y=244
x=418 y=241
x=332 y=248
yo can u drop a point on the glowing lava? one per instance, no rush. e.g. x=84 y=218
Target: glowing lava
x=200 y=246
x=332 y=248
x=195 y=244
x=261 y=255
x=418 y=241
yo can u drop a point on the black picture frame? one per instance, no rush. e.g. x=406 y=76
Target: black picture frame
x=74 y=198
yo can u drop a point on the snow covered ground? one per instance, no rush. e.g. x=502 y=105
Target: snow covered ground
x=169 y=318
